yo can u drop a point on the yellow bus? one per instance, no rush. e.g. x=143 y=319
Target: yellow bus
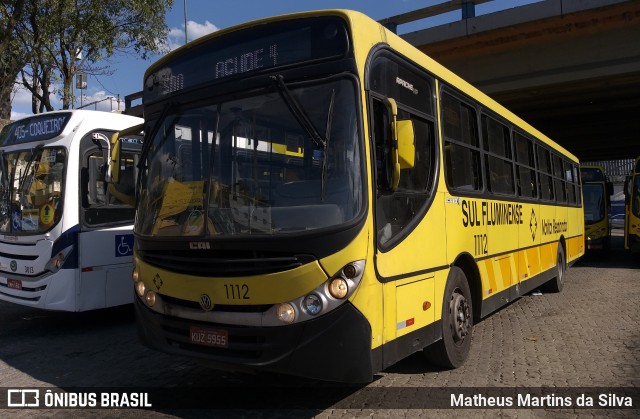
x=632 y=210
x=597 y=206
x=411 y=206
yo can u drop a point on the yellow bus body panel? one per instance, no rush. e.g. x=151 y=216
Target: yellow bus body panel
x=261 y=289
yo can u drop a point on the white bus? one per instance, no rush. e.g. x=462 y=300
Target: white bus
x=65 y=235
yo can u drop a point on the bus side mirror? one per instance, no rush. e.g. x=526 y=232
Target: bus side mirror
x=609 y=188
x=403 y=144
x=406 y=144
x=113 y=171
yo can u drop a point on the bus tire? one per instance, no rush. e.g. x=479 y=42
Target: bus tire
x=557 y=283
x=457 y=323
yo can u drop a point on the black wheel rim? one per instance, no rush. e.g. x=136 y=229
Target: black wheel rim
x=460 y=317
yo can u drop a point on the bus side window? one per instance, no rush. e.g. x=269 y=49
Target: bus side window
x=412 y=90
x=92 y=178
x=559 y=179
x=100 y=206
x=544 y=171
x=525 y=167
x=381 y=135
x=462 y=145
x=84 y=187
x=126 y=184
x=498 y=158
x=395 y=211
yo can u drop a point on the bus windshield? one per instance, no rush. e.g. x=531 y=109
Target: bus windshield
x=284 y=161
x=31 y=189
x=593 y=202
x=635 y=203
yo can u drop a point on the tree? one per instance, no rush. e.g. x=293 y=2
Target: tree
x=11 y=55
x=56 y=33
x=34 y=36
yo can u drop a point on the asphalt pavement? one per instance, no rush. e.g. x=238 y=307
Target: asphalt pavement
x=544 y=355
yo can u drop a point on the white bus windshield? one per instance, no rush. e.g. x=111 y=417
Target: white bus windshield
x=31 y=189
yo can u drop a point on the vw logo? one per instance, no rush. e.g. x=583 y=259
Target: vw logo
x=14 y=265
x=206 y=303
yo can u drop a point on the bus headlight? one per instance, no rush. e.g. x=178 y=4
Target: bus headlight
x=57 y=261
x=134 y=274
x=350 y=271
x=140 y=289
x=329 y=295
x=286 y=313
x=338 y=288
x=150 y=297
x=312 y=304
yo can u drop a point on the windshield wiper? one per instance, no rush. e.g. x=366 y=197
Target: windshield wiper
x=326 y=142
x=36 y=152
x=298 y=111
x=148 y=139
x=5 y=191
x=4 y=179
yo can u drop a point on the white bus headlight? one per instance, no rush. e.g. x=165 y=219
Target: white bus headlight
x=57 y=261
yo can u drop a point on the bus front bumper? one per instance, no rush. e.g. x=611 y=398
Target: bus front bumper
x=333 y=347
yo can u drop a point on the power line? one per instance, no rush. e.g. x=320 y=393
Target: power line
x=105 y=89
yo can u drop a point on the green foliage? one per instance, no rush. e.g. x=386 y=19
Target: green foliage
x=11 y=53
x=52 y=34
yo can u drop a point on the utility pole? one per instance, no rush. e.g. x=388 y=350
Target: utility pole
x=186 y=39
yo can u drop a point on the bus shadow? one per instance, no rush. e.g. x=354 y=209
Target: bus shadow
x=415 y=363
x=613 y=257
x=99 y=351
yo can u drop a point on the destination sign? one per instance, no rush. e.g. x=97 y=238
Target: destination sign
x=250 y=50
x=36 y=128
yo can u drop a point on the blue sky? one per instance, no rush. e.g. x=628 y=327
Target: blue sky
x=205 y=16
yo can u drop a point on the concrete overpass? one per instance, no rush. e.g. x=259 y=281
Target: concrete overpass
x=569 y=67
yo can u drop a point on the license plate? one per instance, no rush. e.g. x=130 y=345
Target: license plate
x=218 y=338
x=16 y=284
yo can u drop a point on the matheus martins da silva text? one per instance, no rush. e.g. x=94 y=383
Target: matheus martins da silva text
x=549 y=400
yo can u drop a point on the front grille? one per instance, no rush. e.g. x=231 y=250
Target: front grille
x=18 y=256
x=220 y=263
x=194 y=305
x=17 y=297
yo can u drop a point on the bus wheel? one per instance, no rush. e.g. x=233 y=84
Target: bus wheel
x=457 y=323
x=557 y=283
